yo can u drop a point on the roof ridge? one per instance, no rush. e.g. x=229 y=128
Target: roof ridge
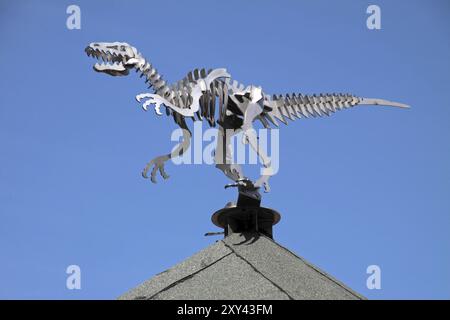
x=173 y=284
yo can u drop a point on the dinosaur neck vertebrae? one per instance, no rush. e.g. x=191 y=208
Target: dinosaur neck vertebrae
x=153 y=77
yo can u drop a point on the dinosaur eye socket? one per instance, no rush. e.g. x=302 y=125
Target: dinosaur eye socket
x=122 y=48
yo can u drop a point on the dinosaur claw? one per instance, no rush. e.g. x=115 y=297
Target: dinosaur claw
x=263 y=181
x=163 y=173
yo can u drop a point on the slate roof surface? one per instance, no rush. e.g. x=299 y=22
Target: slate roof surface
x=243 y=267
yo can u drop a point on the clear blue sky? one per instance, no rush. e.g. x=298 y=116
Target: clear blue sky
x=365 y=186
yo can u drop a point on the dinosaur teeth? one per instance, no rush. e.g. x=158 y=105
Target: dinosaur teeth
x=131 y=61
x=107 y=66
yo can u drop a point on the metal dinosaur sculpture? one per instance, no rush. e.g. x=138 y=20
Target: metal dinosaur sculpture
x=211 y=95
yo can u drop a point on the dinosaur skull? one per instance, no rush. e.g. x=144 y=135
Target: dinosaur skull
x=118 y=57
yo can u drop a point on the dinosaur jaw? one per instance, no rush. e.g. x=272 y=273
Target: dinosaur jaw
x=118 y=58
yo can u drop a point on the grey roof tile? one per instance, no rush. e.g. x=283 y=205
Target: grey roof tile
x=297 y=277
x=232 y=278
x=188 y=267
x=246 y=266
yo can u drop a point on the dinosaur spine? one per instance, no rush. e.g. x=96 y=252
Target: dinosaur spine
x=153 y=77
x=305 y=106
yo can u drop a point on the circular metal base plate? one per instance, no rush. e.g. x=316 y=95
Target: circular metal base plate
x=220 y=217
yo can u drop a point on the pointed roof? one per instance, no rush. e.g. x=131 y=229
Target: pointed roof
x=243 y=266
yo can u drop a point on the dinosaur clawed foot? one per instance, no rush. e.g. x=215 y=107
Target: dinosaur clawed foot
x=263 y=181
x=245 y=183
x=158 y=165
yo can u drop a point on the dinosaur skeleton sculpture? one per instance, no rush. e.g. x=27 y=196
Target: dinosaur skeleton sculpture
x=238 y=106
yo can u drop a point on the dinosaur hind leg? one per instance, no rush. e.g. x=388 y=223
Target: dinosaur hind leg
x=158 y=162
x=250 y=137
x=224 y=156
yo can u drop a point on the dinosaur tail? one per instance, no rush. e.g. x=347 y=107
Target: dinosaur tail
x=283 y=107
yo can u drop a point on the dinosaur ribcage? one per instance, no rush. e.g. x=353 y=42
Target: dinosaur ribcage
x=213 y=103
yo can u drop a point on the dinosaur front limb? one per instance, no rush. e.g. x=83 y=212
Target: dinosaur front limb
x=196 y=92
x=157 y=100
